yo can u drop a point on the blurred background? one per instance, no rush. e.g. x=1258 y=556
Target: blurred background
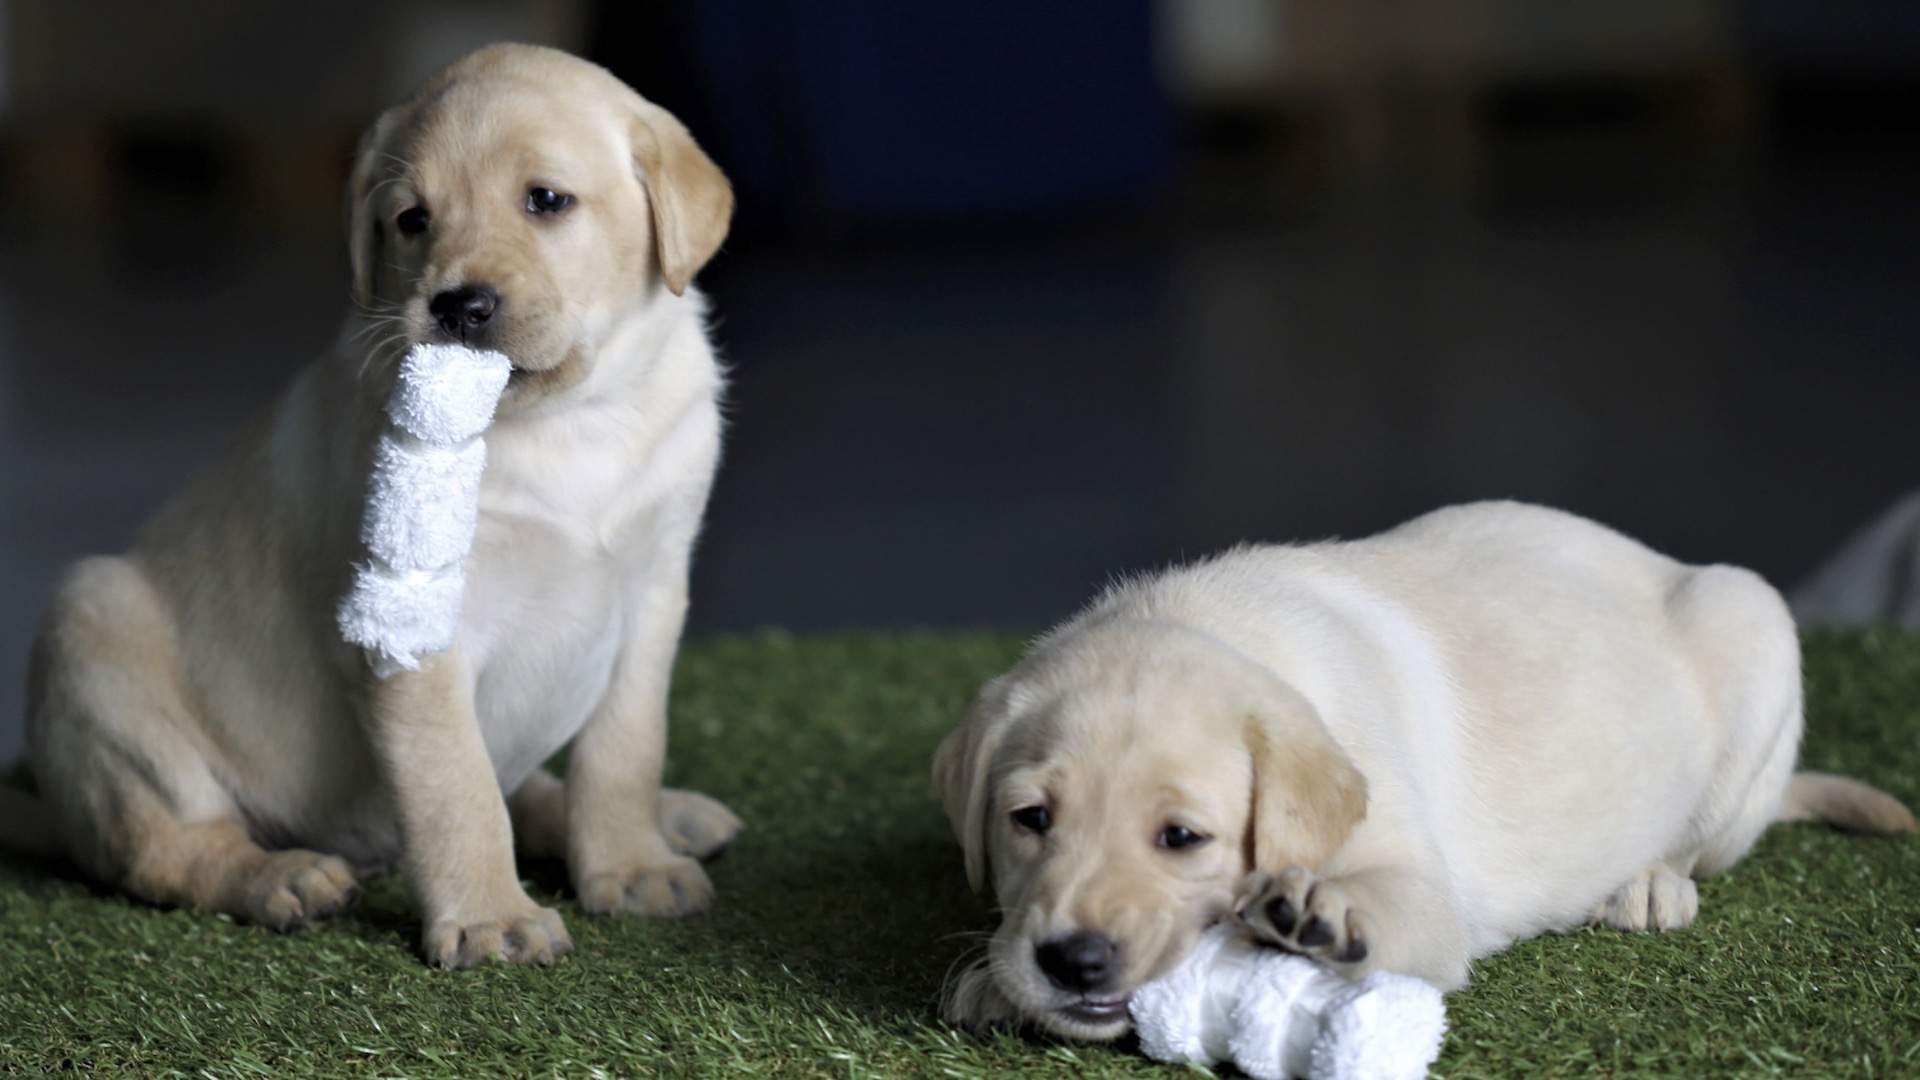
x=1024 y=295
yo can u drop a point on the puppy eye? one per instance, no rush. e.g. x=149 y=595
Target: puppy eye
x=1175 y=837
x=547 y=201
x=412 y=221
x=1033 y=818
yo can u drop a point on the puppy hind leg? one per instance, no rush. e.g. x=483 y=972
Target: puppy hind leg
x=538 y=810
x=110 y=733
x=1755 y=807
x=146 y=843
x=1661 y=897
x=1743 y=641
x=216 y=866
x=693 y=824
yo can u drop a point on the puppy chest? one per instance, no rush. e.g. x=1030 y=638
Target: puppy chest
x=543 y=646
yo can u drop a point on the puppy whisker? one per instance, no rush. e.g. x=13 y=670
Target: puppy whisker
x=958 y=981
x=380 y=323
x=378 y=351
x=373 y=306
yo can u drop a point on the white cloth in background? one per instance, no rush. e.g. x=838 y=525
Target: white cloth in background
x=1873 y=578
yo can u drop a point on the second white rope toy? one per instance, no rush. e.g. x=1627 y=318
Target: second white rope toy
x=1275 y=1016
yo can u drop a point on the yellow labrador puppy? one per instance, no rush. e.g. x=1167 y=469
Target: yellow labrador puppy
x=1403 y=752
x=201 y=735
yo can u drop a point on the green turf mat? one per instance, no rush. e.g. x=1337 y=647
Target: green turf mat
x=839 y=911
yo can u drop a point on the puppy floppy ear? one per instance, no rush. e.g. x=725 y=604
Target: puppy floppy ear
x=691 y=200
x=962 y=773
x=364 y=233
x=1307 y=795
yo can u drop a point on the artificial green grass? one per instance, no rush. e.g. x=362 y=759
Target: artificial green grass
x=842 y=906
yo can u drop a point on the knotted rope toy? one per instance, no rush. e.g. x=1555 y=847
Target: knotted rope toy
x=1275 y=1015
x=423 y=505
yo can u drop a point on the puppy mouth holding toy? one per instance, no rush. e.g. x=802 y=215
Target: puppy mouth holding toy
x=1087 y=978
x=1088 y=990
x=1089 y=919
x=1078 y=986
x=476 y=316
x=1084 y=928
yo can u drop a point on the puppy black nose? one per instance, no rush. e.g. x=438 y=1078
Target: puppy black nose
x=1079 y=962
x=463 y=310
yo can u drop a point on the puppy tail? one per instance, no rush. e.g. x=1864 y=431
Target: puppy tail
x=27 y=826
x=1844 y=802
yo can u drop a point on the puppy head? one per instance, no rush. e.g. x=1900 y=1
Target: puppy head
x=1114 y=789
x=526 y=201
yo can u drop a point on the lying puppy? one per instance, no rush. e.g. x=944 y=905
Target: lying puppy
x=1399 y=753
x=200 y=733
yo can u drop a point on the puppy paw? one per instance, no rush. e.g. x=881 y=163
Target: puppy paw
x=290 y=889
x=696 y=824
x=1302 y=913
x=1654 y=899
x=677 y=886
x=523 y=933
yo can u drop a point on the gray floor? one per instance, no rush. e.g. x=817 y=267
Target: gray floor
x=978 y=431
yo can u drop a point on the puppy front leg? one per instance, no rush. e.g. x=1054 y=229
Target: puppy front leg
x=1387 y=918
x=619 y=857
x=457 y=846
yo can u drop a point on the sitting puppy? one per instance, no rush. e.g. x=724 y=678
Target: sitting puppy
x=1399 y=753
x=199 y=731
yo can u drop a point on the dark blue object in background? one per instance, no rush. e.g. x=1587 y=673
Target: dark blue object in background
x=857 y=113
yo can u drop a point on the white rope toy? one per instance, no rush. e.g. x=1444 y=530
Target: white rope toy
x=1275 y=1015
x=423 y=504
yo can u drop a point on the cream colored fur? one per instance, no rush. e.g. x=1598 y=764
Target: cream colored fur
x=198 y=729
x=1404 y=752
